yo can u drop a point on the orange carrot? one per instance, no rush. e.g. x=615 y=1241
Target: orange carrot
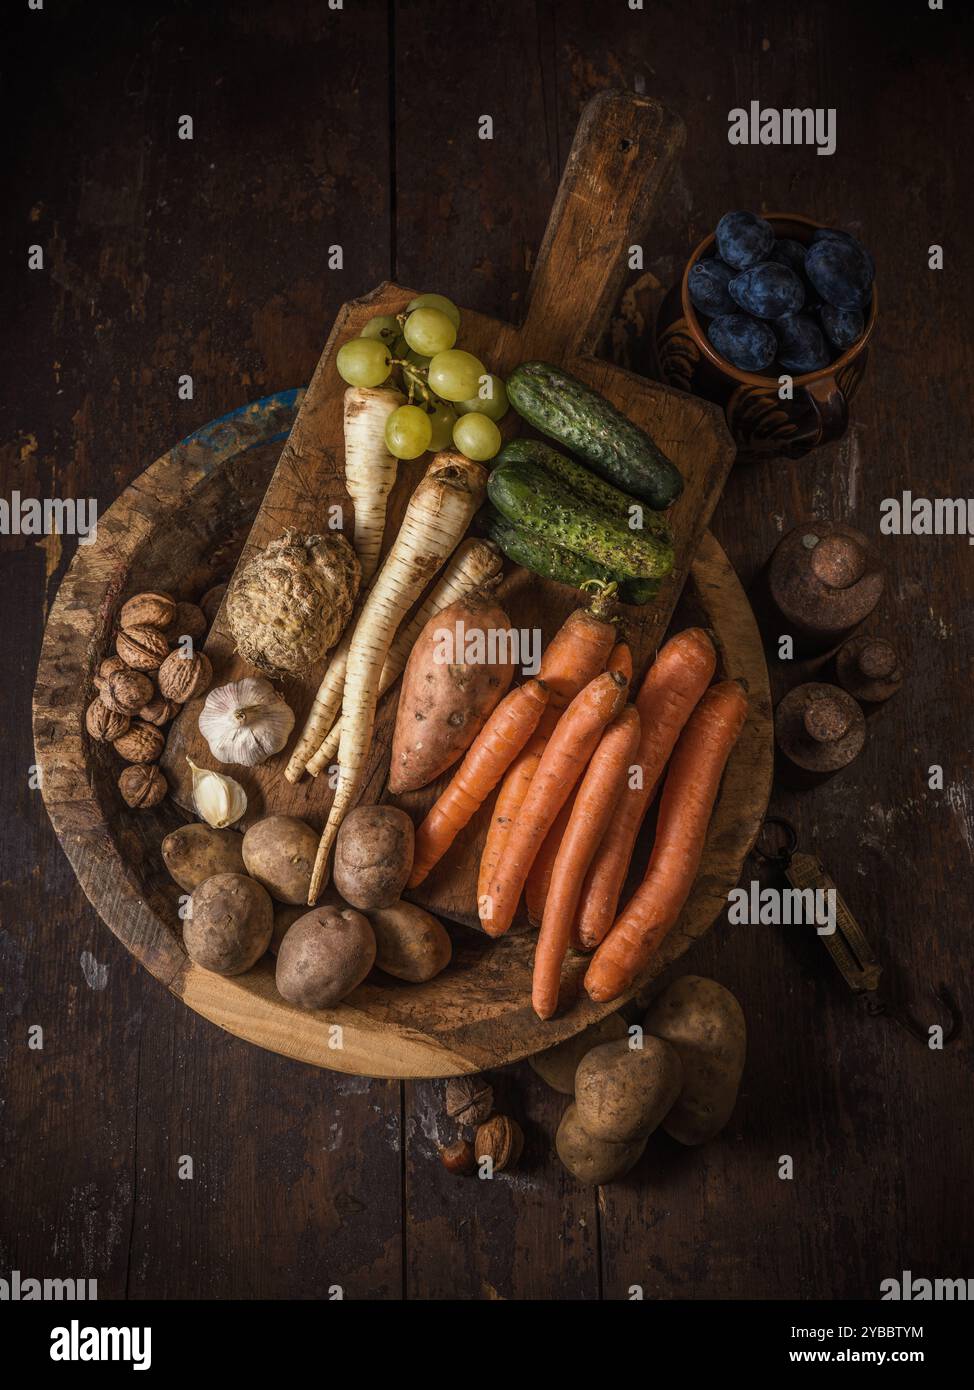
x=574 y=656
x=685 y=809
x=562 y=763
x=539 y=879
x=595 y=803
x=620 y=659
x=674 y=683
x=489 y=756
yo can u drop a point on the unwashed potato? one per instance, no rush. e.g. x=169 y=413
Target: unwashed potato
x=373 y=856
x=230 y=924
x=279 y=852
x=557 y=1065
x=593 y=1160
x=409 y=942
x=194 y=853
x=448 y=689
x=623 y=1092
x=705 y=1024
x=324 y=956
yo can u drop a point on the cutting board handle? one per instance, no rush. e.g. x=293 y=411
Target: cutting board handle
x=621 y=158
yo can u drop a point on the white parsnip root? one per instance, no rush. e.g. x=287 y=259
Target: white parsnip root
x=370 y=470
x=474 y=564
x=439 y=512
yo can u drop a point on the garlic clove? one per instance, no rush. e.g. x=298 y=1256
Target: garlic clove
x=219 y=800
x=245 y=722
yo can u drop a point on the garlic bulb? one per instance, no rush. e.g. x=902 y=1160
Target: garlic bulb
x=246 y=721
x=220 y=800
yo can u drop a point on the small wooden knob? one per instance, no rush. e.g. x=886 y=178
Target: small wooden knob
x=838 y=561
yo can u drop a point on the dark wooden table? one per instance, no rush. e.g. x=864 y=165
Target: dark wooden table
x=358 y=127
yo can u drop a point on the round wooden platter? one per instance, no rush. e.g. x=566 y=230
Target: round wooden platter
x=180 y=527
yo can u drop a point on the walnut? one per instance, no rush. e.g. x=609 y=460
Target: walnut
x=149 y=610
x=181 y=677
x=458 y=1158
x=110 y=664
x=469 y=1100
x=105 y=724
x=211 y=600
x=159 y=710
x=142 y=786
x=189 y=621
x=143 y=647
x=500 y=1140
x=127 y=691
x=142 y=743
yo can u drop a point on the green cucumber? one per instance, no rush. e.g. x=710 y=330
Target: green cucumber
x=530 y=498
x=553 y=561
x=566 y=410
x=585 y=484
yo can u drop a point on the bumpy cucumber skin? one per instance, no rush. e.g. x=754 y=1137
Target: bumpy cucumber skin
x=571 y=413
x=530 y=498
x=553 y=561
x=585 y=484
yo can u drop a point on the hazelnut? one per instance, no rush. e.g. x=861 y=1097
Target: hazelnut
x=105 y=669
x=469 y=1100
x=105 y=724
x=458 y=1158
x=143 y=648
x=142 y=786
x=500 y=1140
x=159 y=710
x=189 y=621
x=181 y=677
x=149 y=610
x=142 y=743
x=127 y=691
x=211 y=600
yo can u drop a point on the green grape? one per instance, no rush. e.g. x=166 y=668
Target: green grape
x=408 y=432
x=455 y=375
x=493 y=404
x=436 y=301
x=443 y=418
x=363 y=362
x=429 y=331
x=384 y=326
x=477 y=436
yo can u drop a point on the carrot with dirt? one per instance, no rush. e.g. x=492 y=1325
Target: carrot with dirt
x=370 y=470
x=674 y=683
x=475 y=565
x=686 y=806
x=595 y=802
x=488 y=758
x=574 y=656
x=562 y=763
x=439 y=512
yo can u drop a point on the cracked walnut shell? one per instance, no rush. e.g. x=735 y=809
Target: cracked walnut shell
x=143 y=648
x=181 y=677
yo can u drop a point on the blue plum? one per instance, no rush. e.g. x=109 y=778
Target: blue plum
x=788 y=252
x=842 y=327
x=801 y=347
x=745 y=342
x=768 y=290
x=707 y=286
x=834 y=234
x=841 y=272
x=743 y=239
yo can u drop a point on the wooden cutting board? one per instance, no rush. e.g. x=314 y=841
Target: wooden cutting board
x=622 y=154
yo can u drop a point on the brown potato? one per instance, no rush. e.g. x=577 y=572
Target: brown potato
x=373 y=856
x=704 y=1024
x=594 y=1160
x=194 y=853
x=623 y=1092
x=279 y=852
x=557 y=1065
x=324 y=956
x=444 y=702
x=230 y=925
x=409 y=942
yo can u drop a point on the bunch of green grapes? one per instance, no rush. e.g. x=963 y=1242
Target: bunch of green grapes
x=452 y=396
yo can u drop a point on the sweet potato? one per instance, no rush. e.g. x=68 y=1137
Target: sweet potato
x=457 y=672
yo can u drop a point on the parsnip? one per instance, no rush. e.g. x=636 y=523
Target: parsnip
x=370 y=470
x=474 y=564
x=438 y=514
